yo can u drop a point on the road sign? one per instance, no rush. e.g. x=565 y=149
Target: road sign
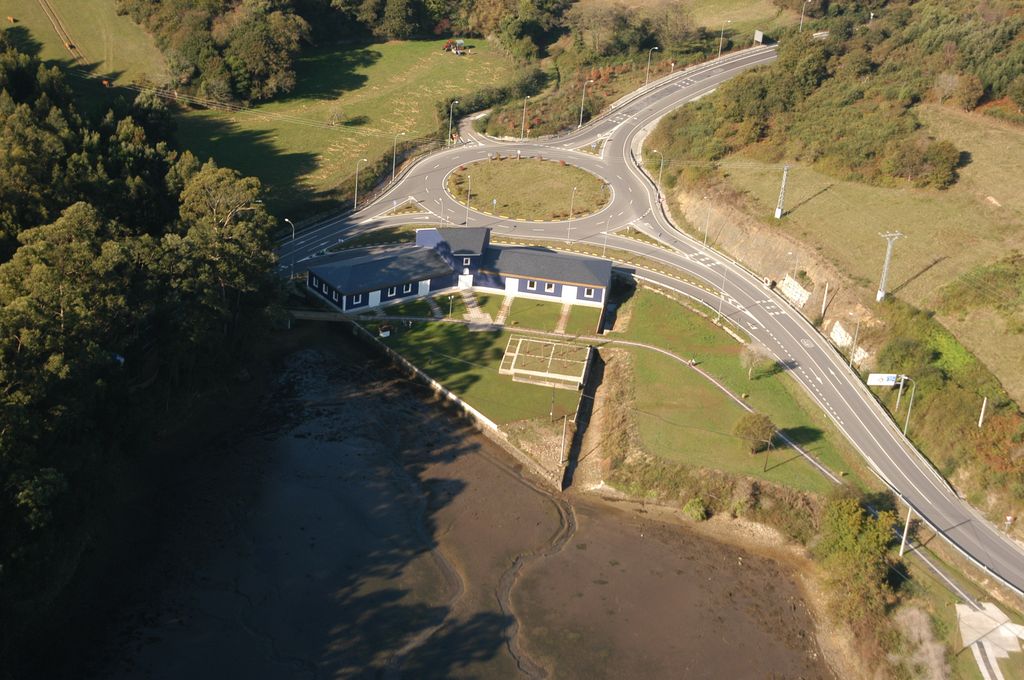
x=883 y=379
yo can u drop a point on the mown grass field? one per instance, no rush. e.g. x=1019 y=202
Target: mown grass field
x=467 y=363
x=684 y=419
x=529 y=189
x=113 y=44
x=583 y=321
x=371 y=93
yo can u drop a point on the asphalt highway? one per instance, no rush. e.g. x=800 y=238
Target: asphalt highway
x=739 y=294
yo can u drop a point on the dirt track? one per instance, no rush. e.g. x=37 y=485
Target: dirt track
x=336 y=542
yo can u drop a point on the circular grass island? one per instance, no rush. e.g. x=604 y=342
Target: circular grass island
x=528 y=189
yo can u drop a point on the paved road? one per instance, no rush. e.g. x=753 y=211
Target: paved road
x=763 y=315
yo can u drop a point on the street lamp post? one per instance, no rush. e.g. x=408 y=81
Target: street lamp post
x=355 y=197
x=394 y=154
x=910 y=406
x=721 y=38
x=707 y=223
x=572 y=201
x=292 y=275
x=650 y=53
x=803 y=7
x=522 y=128
x=721 y=294
x=582 y=100
x=672 y=68
x=451 y=112
x=604 y=251
x=469 y=195
x=661 y=167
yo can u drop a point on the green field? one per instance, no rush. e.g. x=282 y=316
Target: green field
x=113 y=45
x=467 y=363
x=977 y=221
x=528 y=189
x=661 y=322
x=370 y=93
x=535 y=314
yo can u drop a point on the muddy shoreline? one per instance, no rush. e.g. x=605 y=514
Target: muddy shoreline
x=359 y=531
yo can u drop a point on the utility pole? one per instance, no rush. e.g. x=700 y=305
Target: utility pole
x=890 y=238
x=906 y=530
x=782 y=193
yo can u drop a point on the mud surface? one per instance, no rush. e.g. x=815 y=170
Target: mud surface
x=359 y=531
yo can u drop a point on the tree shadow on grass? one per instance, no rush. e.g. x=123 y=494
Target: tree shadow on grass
x=252 y=152
x=22 y=39
x=329 y=71
x=803 y=435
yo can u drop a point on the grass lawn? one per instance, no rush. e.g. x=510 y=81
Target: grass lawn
x=112 y=44
x=418 y=307
x=490 y=303
x=659 y=321
x=536 y=314
x=583 y=321
x=467 y=363
x=513 y=184
x=372 y=92
x=405 y=233
x=682 y=417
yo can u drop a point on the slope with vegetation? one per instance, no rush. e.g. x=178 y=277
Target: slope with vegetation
x=131 y=277
x=854 y=109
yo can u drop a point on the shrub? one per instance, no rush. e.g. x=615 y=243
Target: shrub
x=695 y=510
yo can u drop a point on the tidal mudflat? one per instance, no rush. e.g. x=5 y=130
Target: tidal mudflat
x=361 y=531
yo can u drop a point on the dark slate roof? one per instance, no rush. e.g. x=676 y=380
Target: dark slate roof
x=366 y=269
x=465 y=240
x=541 y=263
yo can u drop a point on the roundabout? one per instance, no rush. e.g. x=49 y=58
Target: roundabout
x=679 y=263
x=531 y=189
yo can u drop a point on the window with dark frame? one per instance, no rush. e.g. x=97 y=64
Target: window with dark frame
x=588 y=292
x=392 y=291
x=531 y=285
x=549 y=288
x=357 y=299
x=407 y=288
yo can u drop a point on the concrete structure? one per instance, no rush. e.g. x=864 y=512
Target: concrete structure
x=457 y=258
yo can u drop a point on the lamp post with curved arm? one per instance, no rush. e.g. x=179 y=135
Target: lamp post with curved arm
x=292 y=274
x=721 y=38
x=522 y=128
x=355 y=197
x=650 y=53
x=572 y=201
x=394 y=154
x=582 y=100
x=661 y=167
x=451 y=113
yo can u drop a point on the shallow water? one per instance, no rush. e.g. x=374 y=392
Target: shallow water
x=360 y=531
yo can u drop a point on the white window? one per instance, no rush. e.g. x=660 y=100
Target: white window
x=315 y=282
x=407 y=288
x=335 y=295
x=325 y=288
x=531 y=285
x=549 y=288
x=392 y=291
x=588 y=292
x=357 y=299
x=466 y=261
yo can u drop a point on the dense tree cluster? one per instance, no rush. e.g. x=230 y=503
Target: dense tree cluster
x=846 y=103
x=129 y=274
x=245 y=49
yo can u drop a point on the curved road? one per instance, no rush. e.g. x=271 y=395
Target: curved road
x=764 y=316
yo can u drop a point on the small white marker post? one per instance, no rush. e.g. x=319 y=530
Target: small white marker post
x=981 y=416
x=906 y=530
x=561 y=456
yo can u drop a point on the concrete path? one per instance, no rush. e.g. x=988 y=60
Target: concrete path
x=991 y=636
x=506 y=307
x=434 y=308
x=563 y=318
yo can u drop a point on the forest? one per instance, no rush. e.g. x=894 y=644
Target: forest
x=131 y=277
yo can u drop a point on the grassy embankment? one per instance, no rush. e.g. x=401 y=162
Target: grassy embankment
x=558 y=108
x=529 y=189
